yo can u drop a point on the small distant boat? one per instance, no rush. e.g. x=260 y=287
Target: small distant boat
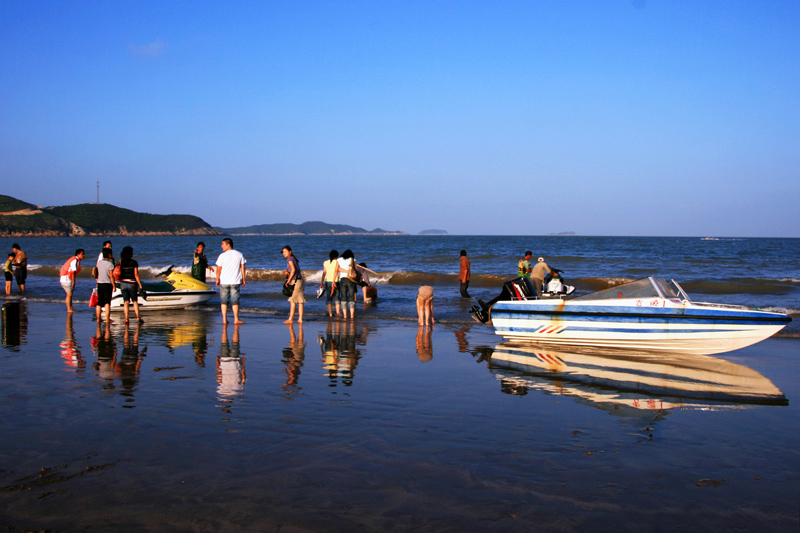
x=177 y=291
x=647 y=314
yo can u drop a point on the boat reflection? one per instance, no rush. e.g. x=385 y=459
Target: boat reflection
x=618 y=381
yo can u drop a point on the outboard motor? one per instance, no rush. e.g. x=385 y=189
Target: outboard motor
x=516 y=289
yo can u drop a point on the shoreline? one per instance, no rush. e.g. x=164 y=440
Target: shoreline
x=371 y=425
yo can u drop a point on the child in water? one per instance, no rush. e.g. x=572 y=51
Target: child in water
x=8 y=272
x=425 y=305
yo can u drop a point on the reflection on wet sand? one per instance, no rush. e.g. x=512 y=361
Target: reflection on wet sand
x=231 y=375
x=14 y=318
x=424 y=343
x=70 y=351
x=293 y=357
x=339 y=353
x=618 y=381
x=127 y=367
x=106 y=352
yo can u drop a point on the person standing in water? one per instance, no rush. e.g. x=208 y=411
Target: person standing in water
x=20 y=267
x=231 y=277
x=8 y=270
x=524 y=268
x=294 y=276
x=200 y=263
x=346 y=286
x=328 y=269
x=106 y=245
x=130 y=282
x=105 y=285
x=464 y=274
x=69 y=274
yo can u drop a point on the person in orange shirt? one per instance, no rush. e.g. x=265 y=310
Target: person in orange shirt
x=463 y=274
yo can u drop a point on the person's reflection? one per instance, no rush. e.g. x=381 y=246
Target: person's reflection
x=14 y=324
x=348 y=355
x=339 y=353
x=200 y=348
x=482 y=353
x=329 y=345
x=106 y=351
x=461 y=339
x=70 y=351
x=424 y=343
x=231 y=375
x=130 y=361
x=293 y=357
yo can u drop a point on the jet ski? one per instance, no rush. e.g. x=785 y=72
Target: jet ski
x=176 y=291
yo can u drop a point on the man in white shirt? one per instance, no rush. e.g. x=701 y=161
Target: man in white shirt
x=230 y=279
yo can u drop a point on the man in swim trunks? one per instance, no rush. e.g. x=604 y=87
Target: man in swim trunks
x=20 y=267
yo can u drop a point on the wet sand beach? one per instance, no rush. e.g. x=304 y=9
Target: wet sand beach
x=182 y=424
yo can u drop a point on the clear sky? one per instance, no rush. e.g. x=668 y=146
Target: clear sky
x=629 y=117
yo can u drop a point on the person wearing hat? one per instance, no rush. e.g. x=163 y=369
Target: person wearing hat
x=538 y=273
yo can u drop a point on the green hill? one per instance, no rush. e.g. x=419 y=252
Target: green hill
x=106 y=219
x=18 y=219
x=21 y=219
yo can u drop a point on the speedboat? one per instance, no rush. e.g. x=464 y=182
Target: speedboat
x=648 y=314
x=620 y=381
x=177 y=291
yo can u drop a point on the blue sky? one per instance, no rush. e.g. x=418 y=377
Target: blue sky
x=610 y=117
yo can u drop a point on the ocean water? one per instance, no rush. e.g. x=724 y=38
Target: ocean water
x=762 y=273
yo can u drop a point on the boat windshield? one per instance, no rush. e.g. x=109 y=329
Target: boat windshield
x=668 y=289
x=642 y=288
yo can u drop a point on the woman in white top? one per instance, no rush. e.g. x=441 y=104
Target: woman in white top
x=346 y=286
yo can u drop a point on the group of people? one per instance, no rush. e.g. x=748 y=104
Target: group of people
x=109 y=274
x=536 y=273
x=341 y=277
x=16 y=268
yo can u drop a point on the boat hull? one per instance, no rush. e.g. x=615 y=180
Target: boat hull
x=658 y=324
x=168 y=300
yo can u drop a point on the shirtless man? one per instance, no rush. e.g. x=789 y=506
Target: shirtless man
x=20 y=267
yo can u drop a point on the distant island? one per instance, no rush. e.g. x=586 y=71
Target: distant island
x=23 y=219
x=433 y=232
x=563 y=233
x=306 y=228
